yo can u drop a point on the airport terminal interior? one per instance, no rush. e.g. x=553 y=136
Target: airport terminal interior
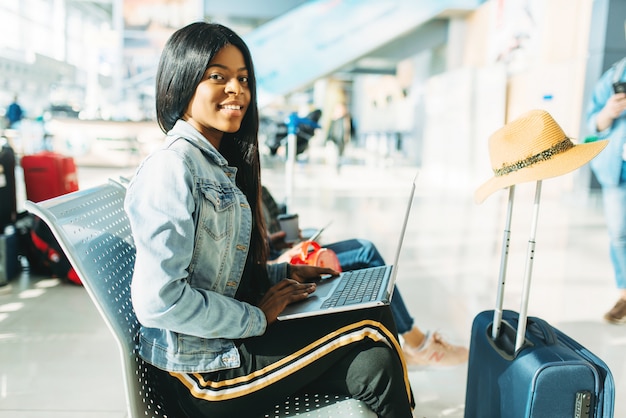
x=60 y=360
x=425 y=93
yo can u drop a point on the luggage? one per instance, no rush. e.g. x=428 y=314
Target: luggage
x=551 y=376
x=8 y=196
x=45 y=256
x=520 y=366
x=9 y=261
x=23 y=226
x=48 y=174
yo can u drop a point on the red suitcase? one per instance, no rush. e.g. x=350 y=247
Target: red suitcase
x=48 y=174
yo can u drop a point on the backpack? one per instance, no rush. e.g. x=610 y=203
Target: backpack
x=45 y=255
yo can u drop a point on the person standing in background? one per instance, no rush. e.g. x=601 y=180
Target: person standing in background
x=14 y=113
x=341 y=130
x=606 y=119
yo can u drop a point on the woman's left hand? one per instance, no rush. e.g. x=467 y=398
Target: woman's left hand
x=305 y=273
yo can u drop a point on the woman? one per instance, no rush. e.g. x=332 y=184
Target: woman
x=202 y=289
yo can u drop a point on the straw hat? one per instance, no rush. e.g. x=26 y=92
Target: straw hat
x=533 y=147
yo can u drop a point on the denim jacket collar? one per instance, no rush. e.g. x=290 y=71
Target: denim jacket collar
x=185 y=130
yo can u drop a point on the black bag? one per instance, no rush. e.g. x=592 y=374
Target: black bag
x=8 y=196
x=43 y=252
x=9 y=261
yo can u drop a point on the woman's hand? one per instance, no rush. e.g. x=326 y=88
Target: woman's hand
x=294 y=289
x=305 y=273
x=611 y=111
x=282 y=294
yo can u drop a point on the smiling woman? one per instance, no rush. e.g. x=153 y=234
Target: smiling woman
x=202 y=288
x=221 y=97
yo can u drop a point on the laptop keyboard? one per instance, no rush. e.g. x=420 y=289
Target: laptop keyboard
x=359 y=286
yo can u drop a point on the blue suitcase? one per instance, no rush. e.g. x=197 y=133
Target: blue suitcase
x=551 y=376
x=521 y=366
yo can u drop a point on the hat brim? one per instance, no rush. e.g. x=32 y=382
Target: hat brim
x=558 y=165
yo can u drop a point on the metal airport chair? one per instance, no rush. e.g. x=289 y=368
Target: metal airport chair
x=92 y=228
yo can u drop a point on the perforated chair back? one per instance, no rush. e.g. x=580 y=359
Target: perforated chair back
x=94 y=233
x=93 y=230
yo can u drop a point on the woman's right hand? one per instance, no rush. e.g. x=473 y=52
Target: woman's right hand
x=282 y=294
x=613 y=108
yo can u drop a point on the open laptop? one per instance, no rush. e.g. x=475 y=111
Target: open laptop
x=370 y=286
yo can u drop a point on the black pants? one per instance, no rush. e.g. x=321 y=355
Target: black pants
x=354 y=353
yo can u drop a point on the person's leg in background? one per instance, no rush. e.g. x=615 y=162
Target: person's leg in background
x=614 y=200
x=420 y=348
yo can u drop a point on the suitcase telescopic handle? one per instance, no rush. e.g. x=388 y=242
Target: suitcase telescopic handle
x=530 y=257
x=506 y=239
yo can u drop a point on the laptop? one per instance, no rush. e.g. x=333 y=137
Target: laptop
x=357 y=289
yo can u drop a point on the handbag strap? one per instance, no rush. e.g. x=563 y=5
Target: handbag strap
x=304 y=249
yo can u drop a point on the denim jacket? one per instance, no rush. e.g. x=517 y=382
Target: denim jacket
x=607 y=166
x=191 y=225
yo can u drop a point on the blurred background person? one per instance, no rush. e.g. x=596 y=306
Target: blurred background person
x=606 y=119
x=14 y=113
x=341 y=130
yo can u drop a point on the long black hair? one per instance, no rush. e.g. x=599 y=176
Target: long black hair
x=183 y=62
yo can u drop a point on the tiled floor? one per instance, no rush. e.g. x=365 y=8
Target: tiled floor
x=57 y=359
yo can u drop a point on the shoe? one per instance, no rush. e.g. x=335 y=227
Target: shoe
x=617 y=315
x=435 y=352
